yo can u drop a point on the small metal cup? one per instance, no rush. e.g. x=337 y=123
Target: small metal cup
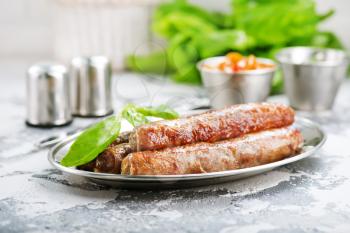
x=312 y=76
x=229 y=88
x=91 y=86
x=48 y=102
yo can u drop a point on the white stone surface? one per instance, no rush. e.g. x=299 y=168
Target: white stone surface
x=308 y=196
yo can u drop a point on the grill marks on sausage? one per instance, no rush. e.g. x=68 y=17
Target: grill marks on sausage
x=196 y=144
x=109 y=161
x=247 y=151
x=213 y=126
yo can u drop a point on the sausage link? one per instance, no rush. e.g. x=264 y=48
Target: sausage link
x=211 y=126
x=110 y=160
x=246 y=151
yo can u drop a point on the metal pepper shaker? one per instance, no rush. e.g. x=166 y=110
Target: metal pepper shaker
x=48 y=97
x=91 y=86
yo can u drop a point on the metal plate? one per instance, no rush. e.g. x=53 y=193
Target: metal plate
x=314 y=138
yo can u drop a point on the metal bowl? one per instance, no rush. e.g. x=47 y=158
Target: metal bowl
x=312 y=76
x=226 y=88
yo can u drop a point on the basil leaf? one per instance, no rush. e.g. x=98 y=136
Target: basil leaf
x=97 y=138
x=134 y=117
x=92 y=142
x=162 y=111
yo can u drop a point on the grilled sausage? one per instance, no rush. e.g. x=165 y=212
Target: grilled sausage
x=109 y=161
x=113 y=154
x=211 y=126
x=123 y=137
x=246 y=151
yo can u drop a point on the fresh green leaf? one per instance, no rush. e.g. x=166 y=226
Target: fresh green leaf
x=220 y=42
x=326 y=40
x=273 y=22
x=277 y=85
x=259 y=27
x=327 y=15
x=182 y=51
x=183 y=56
x=153 y=63
x=92 y=142
x=161 y=111
x=174 y=17
x=97 y=138
x=188 y=74
x=178 y=22
x=138 y=115
x=131 y=114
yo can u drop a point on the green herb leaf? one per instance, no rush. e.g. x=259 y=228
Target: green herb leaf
x=97 y=138
x=162 y=111
x=135 y=118
x=92 y=142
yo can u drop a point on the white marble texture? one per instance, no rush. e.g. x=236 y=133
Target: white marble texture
x=308 y=196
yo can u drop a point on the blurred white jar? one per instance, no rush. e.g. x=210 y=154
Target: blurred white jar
x=113 y=28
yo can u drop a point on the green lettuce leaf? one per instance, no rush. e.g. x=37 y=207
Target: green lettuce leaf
x=276 y=23
x=260 y=27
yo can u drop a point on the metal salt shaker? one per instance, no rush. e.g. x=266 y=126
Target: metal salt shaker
x=91 y=86
x=48 y=97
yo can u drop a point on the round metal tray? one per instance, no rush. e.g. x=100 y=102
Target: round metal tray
x=314 y=138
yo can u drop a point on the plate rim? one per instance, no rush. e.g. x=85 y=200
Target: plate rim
x=148 y=178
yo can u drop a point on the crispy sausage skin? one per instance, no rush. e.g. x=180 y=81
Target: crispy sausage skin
x=246 y=151
x=110 y=160
x=211 y=126
x=123 y=138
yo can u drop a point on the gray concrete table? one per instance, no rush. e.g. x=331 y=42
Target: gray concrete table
x=312 y=195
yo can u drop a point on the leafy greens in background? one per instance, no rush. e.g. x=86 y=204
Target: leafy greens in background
x=277 y=23
x=260 y=27
x=98 y=137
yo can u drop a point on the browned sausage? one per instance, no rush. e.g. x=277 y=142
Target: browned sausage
x=109 y=161
x=211 y=126
x=123 y=138
x=246 y=151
